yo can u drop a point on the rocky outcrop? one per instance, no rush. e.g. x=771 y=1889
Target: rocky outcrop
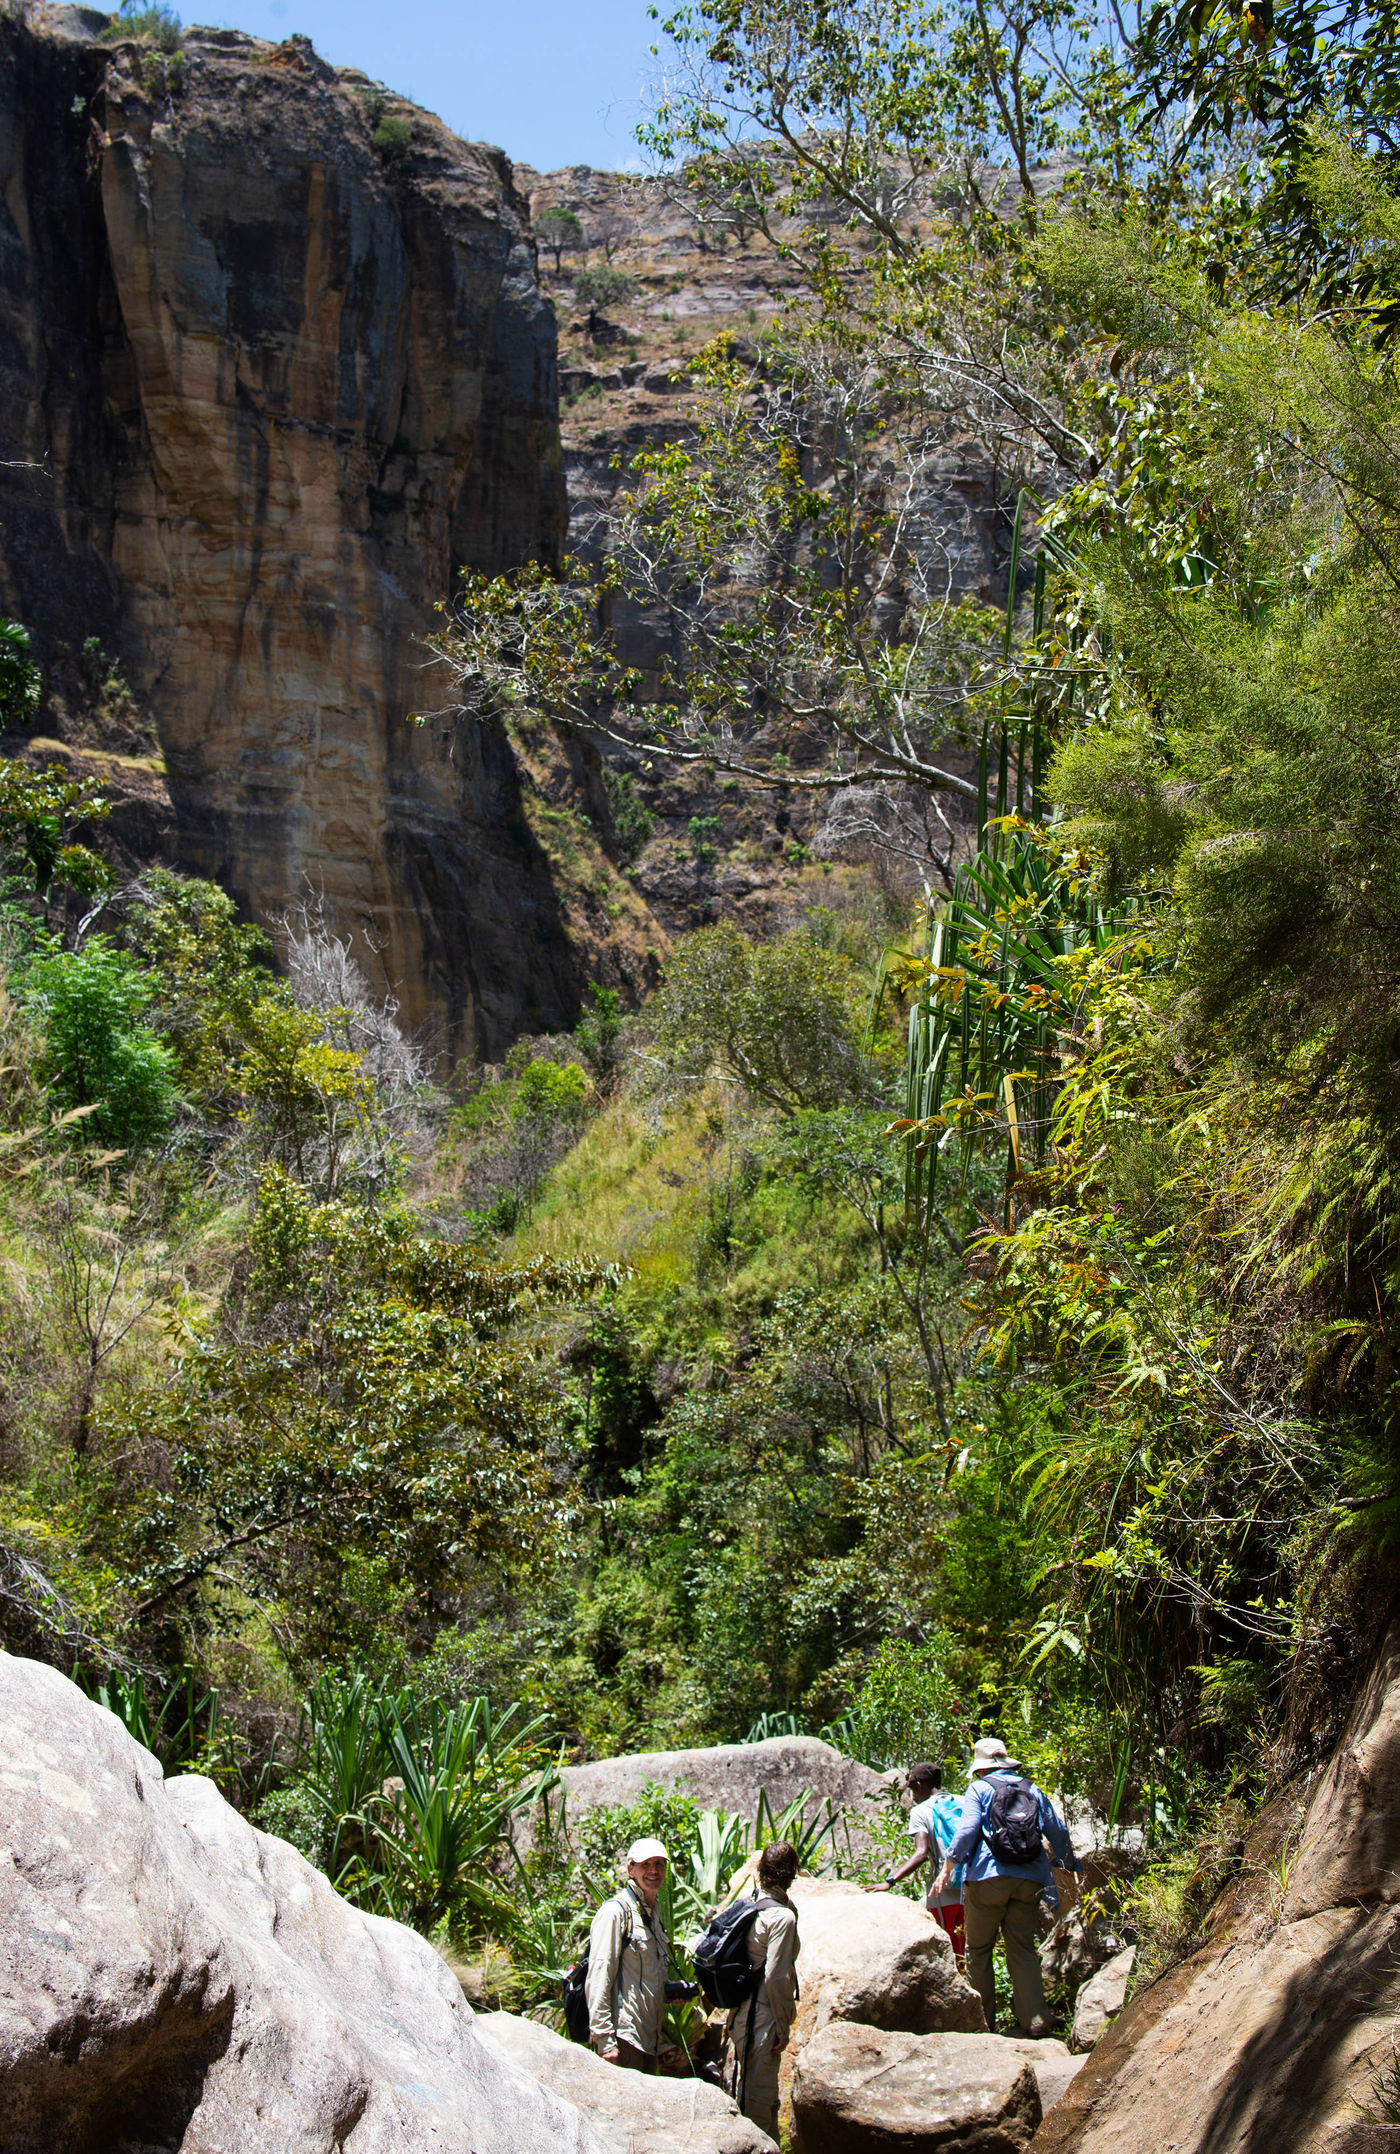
x=269 y=375
x=632 y=2113
x=1272 y=2038
x=875 y=1959
x=174 y=1980
x=860 y=2091
x=732 y=1776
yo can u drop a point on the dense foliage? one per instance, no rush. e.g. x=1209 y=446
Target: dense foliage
x=970 y=1309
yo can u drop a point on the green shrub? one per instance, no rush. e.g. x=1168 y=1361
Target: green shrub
x=550 y=1091
x=97 y=1052
x=294 y=1814
x=908 y=1706
x=393 y=138
x=632 y=820
x=19 y=677
x=595 y=288
x=39 y=812
x=159 y=26
x=598 y=1029
x=704 y=829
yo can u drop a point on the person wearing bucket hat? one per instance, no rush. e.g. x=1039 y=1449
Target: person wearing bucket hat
x=627 y=1954
x=1006 y=1820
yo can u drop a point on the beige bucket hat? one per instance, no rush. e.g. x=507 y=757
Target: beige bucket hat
x=990 y=1755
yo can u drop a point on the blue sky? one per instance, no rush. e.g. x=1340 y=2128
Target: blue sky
x=554 y=82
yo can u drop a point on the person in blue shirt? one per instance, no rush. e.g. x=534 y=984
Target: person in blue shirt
x=1002 y=1899
x=933 y=1820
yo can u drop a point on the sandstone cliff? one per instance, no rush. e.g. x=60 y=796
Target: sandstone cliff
x=270 y=371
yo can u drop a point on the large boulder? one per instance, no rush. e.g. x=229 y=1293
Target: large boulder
x=1271 y=2038
x=863 y=2090
x=634 y=2114
x=174 y=1980
x=877 y=1958
x=874 y=1958
x=1102 y=1998
x=732 y=1776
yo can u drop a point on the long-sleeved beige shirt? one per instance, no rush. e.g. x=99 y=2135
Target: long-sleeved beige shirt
x=773 y=1946
x=626 y=1974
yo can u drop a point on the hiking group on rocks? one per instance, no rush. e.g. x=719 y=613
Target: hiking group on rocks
x=991 y=1874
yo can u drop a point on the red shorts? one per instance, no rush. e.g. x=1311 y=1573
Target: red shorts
x=951 y=1919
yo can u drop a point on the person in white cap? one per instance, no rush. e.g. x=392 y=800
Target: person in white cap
x=627 y=1956
x=1005 y=1823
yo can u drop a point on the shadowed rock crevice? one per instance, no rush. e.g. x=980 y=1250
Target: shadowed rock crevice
x=100 y=2085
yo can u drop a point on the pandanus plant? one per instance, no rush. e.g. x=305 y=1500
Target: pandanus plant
x=416 y=1801
x=991 y=998
x=460 y=1783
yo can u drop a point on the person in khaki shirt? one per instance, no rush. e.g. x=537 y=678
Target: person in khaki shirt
x=627 y=1955
x=758 y=2029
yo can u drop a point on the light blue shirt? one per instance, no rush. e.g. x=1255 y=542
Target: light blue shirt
x=970 y=1847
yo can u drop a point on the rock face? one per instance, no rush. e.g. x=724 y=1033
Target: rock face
x=1270 y=2039
x=872 y=1958
x=1101 y=1998
x=861 y=2091
x=731 y=1776
x=634 y=2114
x=273 y=385
x=174 y=1980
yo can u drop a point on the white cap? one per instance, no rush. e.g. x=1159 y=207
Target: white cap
x=646 y=1851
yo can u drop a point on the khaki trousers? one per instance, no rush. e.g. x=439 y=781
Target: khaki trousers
x=1007 y=1907
x=751 y=2069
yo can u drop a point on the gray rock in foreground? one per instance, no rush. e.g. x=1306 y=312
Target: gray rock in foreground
x=864 y=2090
x=1052 y=2064
x=173 y=1979
x=1102 y=1998
x=634 y=2114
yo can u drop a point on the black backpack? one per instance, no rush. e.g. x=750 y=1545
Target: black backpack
x=726 y=1974
x=576 y=1989
x=1011 y=1828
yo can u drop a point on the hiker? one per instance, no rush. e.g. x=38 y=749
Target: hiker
x=1000 y=1840
x=627 y=1956
x=933 y=1820
x=758 y=2031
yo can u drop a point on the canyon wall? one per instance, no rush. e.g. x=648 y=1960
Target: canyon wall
x=274 y=363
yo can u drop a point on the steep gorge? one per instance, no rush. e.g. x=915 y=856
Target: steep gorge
x=270 y=372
